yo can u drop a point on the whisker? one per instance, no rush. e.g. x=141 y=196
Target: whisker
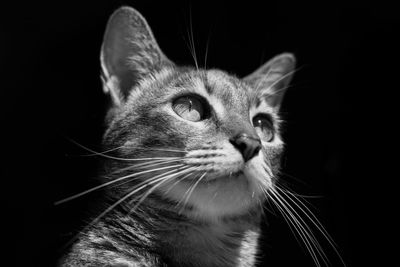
x=268 y=170
x=190 y=170
x=288 y=221
x=94 y=153
x=191 y=40
x=307 y=237
x=299 y=219
x=102 y=154
x=111 y=182
x=157 y=162
x=136 y=147
x=310 y=215
x=166 y=150
x=206 y=52
x=267 y=199
x=289 y=191
x=294 y=178
x=148 y=164
x=137 y=189
x=310 y=233
x=94 y=221
x=314 y=220
x=144 y=181
x=192 y=189
x=166 y=178
x=187 y=191
x=136 y=159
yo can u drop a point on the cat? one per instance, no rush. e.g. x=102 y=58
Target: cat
x=190 y=156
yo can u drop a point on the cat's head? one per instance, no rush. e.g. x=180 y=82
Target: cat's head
x=203 y=139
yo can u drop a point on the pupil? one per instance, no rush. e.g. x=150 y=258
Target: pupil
x=190 y=104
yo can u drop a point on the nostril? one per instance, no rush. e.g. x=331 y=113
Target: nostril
x=257 y=149
x=248 y=146
x=240 y=144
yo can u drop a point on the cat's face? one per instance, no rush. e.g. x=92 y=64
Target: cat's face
x=202 y=139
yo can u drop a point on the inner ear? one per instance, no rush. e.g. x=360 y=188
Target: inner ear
x=129 y=53
x=271 y=80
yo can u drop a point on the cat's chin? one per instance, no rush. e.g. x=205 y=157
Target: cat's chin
x=222 y=196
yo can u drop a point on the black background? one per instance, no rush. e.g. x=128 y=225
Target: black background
x=336 y=114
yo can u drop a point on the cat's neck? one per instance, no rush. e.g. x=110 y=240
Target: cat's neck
x=182 y=241
x=211 y=245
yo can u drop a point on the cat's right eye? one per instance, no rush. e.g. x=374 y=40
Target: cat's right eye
x=189 y=108
x=264 y=126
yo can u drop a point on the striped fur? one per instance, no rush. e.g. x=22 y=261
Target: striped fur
x=211 y=216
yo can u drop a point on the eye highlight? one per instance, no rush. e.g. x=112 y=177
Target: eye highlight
x=264 y=126
x=189 y=108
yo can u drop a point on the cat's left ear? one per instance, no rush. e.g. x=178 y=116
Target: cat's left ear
x=129 y=53
x=272 y=79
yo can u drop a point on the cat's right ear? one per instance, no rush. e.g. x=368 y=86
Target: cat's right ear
x=129 y=53
x=272 y=79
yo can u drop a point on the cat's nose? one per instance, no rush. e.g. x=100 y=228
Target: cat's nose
x=247 y=145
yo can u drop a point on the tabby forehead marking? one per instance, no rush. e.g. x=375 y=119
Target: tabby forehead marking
x=219 y=79
x=233 y=94
x=157 y=77
x=214 y=101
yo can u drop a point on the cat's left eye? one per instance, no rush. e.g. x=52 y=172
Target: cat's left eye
x=189 y=108
x=264 y=126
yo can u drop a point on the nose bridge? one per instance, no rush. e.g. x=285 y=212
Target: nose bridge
x=236 y=125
